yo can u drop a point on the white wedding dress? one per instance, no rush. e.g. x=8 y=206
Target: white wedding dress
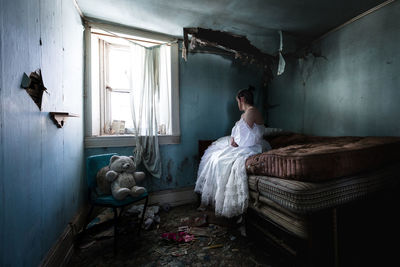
x=222 y=178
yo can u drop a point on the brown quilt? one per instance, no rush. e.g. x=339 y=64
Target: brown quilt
x=314 y=158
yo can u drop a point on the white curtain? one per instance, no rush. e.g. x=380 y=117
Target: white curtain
x=164 y=101
x=151 y=94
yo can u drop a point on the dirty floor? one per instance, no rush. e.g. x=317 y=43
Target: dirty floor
x=207 y=241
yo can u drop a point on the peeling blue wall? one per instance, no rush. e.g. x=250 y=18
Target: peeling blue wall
x=354 y=89
x=208 y=110
x=41 y=167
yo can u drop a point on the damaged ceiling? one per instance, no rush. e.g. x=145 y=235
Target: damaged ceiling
x=258 y=20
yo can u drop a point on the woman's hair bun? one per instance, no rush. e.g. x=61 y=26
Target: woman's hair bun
x=247 y=94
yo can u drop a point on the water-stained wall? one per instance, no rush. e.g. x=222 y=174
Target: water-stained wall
x=208 y=110
x=353 y=89
x=41 y=166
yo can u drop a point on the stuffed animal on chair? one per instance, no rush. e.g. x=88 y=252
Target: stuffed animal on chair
x=119 y=178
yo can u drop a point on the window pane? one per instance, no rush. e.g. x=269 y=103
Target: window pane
x=119 y=68
x=121 y=108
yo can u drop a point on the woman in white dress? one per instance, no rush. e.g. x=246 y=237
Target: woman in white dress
x=222 y=178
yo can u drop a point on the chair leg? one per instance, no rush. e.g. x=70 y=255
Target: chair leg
x=143 y=213
x=115 y=229
x=120 y=211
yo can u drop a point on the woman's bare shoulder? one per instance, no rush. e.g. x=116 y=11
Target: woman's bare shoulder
x=252 y=116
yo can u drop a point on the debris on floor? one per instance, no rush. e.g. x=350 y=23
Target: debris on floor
x=86 y=245
x=105 y=215
x=183 y=237
x=178 y=237
x=151 y=217
x=195 y=220
x=105 y=234
x=214 y=246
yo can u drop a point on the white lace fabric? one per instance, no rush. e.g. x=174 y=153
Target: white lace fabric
x=222 y=178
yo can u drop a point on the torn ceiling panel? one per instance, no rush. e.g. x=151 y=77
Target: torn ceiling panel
x=240 y=46
x=229 y=41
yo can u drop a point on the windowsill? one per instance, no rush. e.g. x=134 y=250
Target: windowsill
x=125 y=140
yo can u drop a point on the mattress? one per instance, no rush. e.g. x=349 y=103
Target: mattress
x=315 y=159
x=293 y=223
x=307 y=197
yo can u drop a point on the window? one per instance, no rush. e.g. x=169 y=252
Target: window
x=118 y=88
x=114 y=67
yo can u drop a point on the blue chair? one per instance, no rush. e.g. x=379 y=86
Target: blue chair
x=93 y=165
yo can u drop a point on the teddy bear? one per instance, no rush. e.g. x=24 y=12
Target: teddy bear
x=119 y=178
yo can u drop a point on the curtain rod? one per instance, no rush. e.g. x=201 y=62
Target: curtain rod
x=369 y=11
x=131 y=39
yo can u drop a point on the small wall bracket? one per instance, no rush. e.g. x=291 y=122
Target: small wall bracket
x=59 y=118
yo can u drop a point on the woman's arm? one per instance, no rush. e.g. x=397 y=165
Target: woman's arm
x=233 y=143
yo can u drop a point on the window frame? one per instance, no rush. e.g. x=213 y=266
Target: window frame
x=101 y=140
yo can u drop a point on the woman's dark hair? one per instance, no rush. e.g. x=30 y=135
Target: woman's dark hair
x=247 y=94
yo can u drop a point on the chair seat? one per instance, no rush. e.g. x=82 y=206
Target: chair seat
x=109 y=200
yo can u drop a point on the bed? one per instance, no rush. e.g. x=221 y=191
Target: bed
x=305 y=184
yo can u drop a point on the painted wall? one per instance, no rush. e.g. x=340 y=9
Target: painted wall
x=354 y=89
x=41 y=167
x=208 y=110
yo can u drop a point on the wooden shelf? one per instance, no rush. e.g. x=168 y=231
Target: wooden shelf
x=59 y=118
